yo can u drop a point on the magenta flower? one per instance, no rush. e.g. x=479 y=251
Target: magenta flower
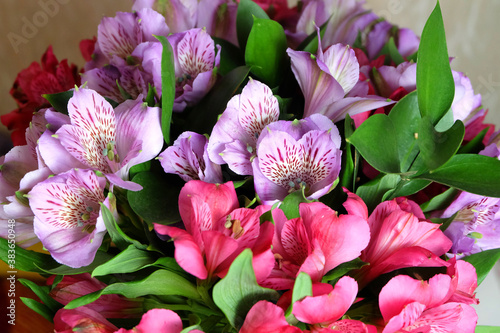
x=265 y=316
x=103 y=139
x=82 y=319
x=410 y=305
x=234 y=136
x=68 y=217
x=158 y=321
x=295 y=154
x=328 y=83
x=315 y=243
x=188 y=158
x=196 y=64
x=401 y=237
x=217 y=231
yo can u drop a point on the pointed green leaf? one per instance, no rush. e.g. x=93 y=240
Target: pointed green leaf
x=435 y=85
x=301 y=288
x=167 y=87
x=487 y=329
x=130 y=260
x=290 y=205
x=25 y=260
x=230 y=56
x=59 y=101
x=476 y=174
x=373 y=191
x=43 y=294
x=245 y=14
x=343 y=269
x=440 y=201
x=376 y=141
x=100 y=258
x=483 y=262
x=238 y=291
x=265 y=52
x=39 y=308
x=436 y=148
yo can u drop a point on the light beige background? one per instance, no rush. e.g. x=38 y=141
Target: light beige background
x=471 y=26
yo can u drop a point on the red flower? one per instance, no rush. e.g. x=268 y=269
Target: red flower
x=48 y=77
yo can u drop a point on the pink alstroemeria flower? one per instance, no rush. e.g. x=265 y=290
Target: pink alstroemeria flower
x=158 y=321
x=329 y=83
x=410 y=305
x=316 y=242
x=103 y=139
x=401 y=237
x=217 y=231
x=83 y=320
x=68 y=218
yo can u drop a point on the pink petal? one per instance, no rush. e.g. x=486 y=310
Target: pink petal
x=405 y=318
x=266 y=317
x=342 y=65
x=161 y=321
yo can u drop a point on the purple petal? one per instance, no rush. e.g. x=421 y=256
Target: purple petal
x=408 y=42
x=57 y=158
x=151 y=23
x=117 y=35
x=25 y=236
x=377 y=38
x=355 y=105
x=219 y=18
x=342 y=65
x=103 y=80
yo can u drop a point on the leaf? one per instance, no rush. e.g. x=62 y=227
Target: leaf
x=39 y=308
x=343 y=269
x=43 y=294
x=394 y=52
x=440 y=201
x=130 y=260
x=436 y=148
x=405 y=188
x=445 y=222
x=203 y=116
x=347 y=174
x=167 y=87
x=475 y=145
x=159 y=283
x=301 y=288
x=373 y=191
x=100 y=258
x=238 y=291
x=435 y=85
x=157 y=201
x=118 y=237
x=59 y=101
x=265 y=52
x=376 y=141
x=472 y=173
x=290 y=205
x=487 y=329
x=230 y=56
x=245 y=14
x=25 y=260
x=483 y=262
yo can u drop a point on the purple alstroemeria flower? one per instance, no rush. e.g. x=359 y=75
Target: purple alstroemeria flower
x=328 y=82
x=234 y=136
x=295 y=154
x=180 y=15
x=406 y=41
x=103 y=139
x=196 y=64
x=68 y=217
x=218 y=17
x=476 y=227
x=188 y=158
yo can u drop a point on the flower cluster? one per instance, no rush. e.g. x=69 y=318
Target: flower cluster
x=244 y=166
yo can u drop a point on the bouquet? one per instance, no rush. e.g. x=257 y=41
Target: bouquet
x=240 y=166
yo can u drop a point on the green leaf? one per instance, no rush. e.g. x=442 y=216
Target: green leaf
x=290 y=205
x=347 y=175
x=39 y=308
x=118 y=237
x=203 y=116
x=158 y=200
x=245 y=14
x=475 y=145
x=25 y=260
x=343 y=269
x=155 y=284
x=43 y=294
x=301 y=288
x=265 y=52
x=472 y=173
x=310 y=43
x=394 y=52
x=445 y=222
x=130 y=260
x=435 y=85
x=230 y=56
x=405 y=117
x=405 y=188
x=59 y=101
x=238 y=291
x=146 y=166
x=440 y=201
x=373 y=191
x=376 y=141
x=100 y=258
x=483 y=262
x=487 y=329
x=167 y=87
x=436 y=148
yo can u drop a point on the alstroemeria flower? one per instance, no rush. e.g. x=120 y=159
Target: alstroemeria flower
x=218 y=17
x=410 y=305
x=295 y=154
x=83 y=320
x=158 y=321
x=217 y=231
x=315 y=243
x=234 y=136
x=265 y=316
x=180 y=15
x=196 y=63
x=401 y=237
x=110 y=306
x=327 y=82
x=103 y=139
x=68 y=217
x=188 y=158
x=405 y=39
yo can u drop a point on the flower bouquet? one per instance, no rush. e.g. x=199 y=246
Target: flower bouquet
x=224 y=166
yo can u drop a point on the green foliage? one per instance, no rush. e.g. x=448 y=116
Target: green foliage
x=483 y=262
x=247 y=11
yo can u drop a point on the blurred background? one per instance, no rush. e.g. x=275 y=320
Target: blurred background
x=471 y=29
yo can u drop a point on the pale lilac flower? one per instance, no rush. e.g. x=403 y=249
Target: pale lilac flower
x=328 y=83
x=196 y=64
x=218 y=17
x=103 y=139
x=68 y=217
x=405 y=39
x=234 y=136
x=180 y=15
x=295 y=154
x=188 y=158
